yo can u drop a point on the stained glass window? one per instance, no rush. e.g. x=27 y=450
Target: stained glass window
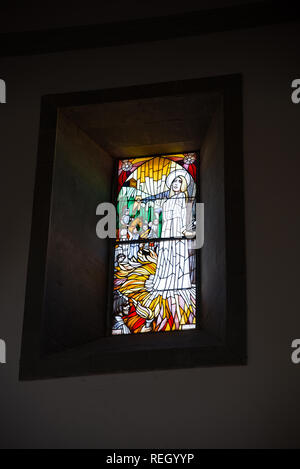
x=155 y=260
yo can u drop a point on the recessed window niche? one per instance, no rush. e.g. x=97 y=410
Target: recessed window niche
x=69 y=307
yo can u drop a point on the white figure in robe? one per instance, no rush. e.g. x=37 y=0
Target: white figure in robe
x=173 y=270
x=172 y=276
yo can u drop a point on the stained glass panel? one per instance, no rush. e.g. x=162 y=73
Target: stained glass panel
x=155 y=262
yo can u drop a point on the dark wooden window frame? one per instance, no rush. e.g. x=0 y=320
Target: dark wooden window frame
x=144 y=351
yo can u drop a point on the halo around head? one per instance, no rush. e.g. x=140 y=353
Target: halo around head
x=178 y=172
